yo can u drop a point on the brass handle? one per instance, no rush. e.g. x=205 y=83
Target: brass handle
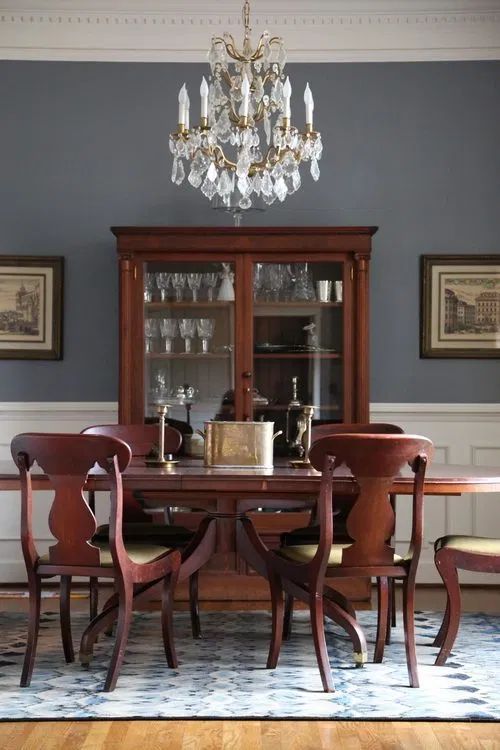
x=246 y=390
x=247 y=374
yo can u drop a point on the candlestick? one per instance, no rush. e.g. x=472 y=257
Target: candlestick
x=306 y=438
x=187 y=105
x=182 y=102
x=204 y=98
x=245 y=90
x=287 y=92
x=309 y=102
x=162 y=460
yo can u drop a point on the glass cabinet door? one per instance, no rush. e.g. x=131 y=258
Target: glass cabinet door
x=298 y=346
x=189 y=340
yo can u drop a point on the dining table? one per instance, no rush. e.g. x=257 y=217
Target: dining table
x=225 y=495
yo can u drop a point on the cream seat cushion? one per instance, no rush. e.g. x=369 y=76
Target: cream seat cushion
x=140 y=554
x=304 y=553
x=481 y=545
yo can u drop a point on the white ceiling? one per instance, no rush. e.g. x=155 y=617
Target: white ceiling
x=313 y=30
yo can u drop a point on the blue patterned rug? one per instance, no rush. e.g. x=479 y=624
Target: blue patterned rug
x=223 y=675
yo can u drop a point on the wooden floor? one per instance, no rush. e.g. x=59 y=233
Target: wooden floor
x=257 y=735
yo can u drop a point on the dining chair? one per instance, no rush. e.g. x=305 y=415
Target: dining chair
x=374 y=462
x=67 y=459
x=310 y=534
x=142 y=438
x=453 y=553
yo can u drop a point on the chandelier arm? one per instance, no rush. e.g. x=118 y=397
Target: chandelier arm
x=258 y=52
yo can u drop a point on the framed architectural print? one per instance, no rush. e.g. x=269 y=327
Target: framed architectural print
x=460 y=306
x=31 y=294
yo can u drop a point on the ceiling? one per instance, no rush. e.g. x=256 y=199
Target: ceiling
x=313 y=30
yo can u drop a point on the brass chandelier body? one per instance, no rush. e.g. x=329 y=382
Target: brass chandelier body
x=247 y=92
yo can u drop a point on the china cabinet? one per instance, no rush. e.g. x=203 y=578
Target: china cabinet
x=244 y=324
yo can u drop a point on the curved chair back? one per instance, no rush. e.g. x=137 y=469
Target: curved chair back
x=340 y=428
x=67 y=460
x=374 y=462
x=141 y=437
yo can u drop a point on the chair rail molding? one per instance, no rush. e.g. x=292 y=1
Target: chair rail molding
x=462 y=434
x=314 y=31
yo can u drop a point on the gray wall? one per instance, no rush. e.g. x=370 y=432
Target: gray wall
x=410 y=147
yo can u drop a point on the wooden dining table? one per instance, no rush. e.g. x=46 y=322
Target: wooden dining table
x=225 y=495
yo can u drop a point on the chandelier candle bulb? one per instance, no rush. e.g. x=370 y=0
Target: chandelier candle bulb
x=204 y=99
x=245 y=90
x=309 y=102
x=287 y=93
x=187 y=105
x=182 y=104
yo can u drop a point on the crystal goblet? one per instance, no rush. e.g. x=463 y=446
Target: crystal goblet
x=205 y=327
x=178 y=282
x=211 y=280
x=187 y=329
x=163 y=282
x=150 y=332
x=168 y=328
x=194 y=283
x=149 y=286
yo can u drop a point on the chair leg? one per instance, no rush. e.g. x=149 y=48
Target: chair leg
x=122 y=631
x=383 y=592
x=318 y=631
x=65 y=618
x=391 y=612
x=167 y=625
x=448 y=572
x=409 y=628
x=438 y=640
x=35 y=586
x=287 y=621
x=276 y=588
x=93 y=597
x=194 y=608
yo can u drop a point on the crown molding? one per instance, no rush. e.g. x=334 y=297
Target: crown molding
x=313 y=30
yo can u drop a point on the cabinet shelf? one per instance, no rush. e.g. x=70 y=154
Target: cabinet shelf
x=299 y=355
x=299 y=303
x=183 y=355
x=152 y=306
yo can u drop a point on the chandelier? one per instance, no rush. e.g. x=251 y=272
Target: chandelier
x=245 y=145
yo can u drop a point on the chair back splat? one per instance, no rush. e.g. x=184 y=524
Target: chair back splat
x=67 y=460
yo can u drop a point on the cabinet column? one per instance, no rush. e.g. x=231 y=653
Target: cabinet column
x=362 y=344
x=129 y=388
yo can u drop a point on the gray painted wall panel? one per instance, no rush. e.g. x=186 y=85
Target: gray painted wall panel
x=410 y=147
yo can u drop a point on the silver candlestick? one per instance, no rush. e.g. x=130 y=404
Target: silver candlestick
x=304 y=437
x=161 y=459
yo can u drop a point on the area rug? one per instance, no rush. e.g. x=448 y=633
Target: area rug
x=223 y=675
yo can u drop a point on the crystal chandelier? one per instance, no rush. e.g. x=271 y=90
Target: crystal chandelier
x=237 y=151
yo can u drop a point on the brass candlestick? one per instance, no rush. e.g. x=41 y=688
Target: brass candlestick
x=304 y=433
x=161 y=459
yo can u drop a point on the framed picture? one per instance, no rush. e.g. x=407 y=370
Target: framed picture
x=31 y=294
x=460 y=306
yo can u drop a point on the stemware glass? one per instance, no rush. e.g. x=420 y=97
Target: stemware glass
x=211 y=280
x=150 y=332
x=149 y=286
x=163 y=282
x=168 y=328
x=194 y=283
x=187 y=328
x=178 y=282
x=205 y=327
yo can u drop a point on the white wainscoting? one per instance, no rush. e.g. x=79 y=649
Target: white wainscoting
x=462 y=434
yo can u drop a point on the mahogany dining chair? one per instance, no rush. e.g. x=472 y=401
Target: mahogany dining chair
x=310 y=534
x=67 y=460
x=374 y=461
x=142 y=527
x=459 y=552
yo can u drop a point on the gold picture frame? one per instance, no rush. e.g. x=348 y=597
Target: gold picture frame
x=31 y=299
x=460 y=306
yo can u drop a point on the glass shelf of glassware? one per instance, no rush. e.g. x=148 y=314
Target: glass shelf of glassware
x=189 y=338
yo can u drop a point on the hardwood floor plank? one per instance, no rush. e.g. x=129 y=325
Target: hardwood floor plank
x=248 y=735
